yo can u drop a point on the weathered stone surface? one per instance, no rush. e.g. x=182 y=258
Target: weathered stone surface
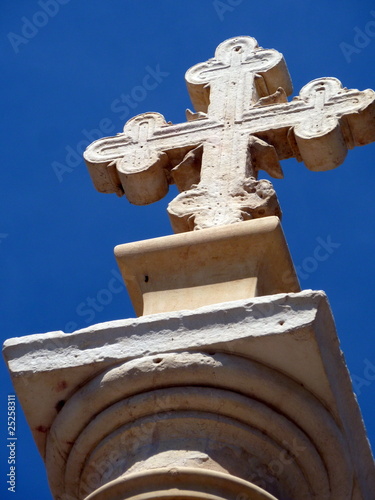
x=198 y=268
x=243 y=124
x=256 y=389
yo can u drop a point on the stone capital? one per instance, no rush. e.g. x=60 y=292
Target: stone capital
x=256 y=389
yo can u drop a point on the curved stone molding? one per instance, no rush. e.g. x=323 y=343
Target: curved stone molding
x=134 y=433
x=246 y=407
x=177 y=483
x=204 y=440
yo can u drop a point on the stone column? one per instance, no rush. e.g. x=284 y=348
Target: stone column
x=238 y=399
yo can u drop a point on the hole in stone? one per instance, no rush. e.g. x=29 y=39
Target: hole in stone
x=281 y=322
x=157 y=360
x=146 y=278
x=237 y=48
x=59 y=405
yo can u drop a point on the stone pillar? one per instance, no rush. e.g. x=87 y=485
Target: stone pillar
x=231 y=383
x=238 y=399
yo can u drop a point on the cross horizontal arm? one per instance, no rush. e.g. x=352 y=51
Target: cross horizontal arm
x=318 y=126
x=129 y=162
x=299 y=128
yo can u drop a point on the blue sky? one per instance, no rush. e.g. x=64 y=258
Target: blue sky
x=63 y=77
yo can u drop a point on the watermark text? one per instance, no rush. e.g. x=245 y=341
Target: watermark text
x=362 y=38
x=30 y=27
x=11 y=443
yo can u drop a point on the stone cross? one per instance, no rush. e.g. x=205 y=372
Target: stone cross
x=243 y=123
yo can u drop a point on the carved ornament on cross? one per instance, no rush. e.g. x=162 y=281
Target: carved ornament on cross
x=243 y=123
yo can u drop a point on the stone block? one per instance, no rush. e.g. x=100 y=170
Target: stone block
x=189 y=270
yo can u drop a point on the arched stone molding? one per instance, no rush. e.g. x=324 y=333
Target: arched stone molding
x=288 y=441
x=174 y=405
x=180 y=484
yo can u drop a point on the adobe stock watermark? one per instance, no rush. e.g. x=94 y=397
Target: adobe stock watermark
x=223 y=6
x=140 y=438
x=30 y=27
x=264 y=477
x=366 y=379
x=11 y=441
x=362 y=38
x=323 y=250
x=123 y=106
x=89 y=307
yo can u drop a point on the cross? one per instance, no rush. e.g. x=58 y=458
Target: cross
x=243 y=123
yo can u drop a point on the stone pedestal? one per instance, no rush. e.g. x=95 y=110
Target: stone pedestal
x=244 y=399
x=189 y=270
